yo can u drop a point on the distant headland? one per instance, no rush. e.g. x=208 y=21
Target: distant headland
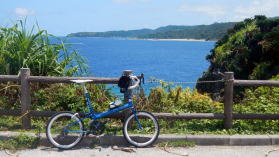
x=172 y=32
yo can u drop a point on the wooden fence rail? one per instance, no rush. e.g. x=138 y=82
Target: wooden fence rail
x=50 y=79
x=256 y=83
x=5 y=78
x=24 y=80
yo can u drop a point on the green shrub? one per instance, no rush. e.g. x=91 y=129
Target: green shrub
x=179 y=100
x=70 y=97
x=260 y=100
x=10 y=96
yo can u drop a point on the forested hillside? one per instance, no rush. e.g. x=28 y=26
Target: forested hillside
x=208 y=32
x=250 y=49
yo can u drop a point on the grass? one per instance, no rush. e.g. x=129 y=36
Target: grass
x=179 y=143
x=114 y=127
x=192 y=127
x=20 y=142
x=10 y=123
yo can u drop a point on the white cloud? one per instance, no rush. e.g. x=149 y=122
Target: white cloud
x=235 y=11
x=213 y=10
x=258 y=7
x=23 y=12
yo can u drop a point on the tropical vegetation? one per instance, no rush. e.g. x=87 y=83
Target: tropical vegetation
x=43 y=53
x=250 y=49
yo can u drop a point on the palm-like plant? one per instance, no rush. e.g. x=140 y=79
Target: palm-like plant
x=22 y=48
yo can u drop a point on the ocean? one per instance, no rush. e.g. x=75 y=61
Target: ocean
x=171 y=61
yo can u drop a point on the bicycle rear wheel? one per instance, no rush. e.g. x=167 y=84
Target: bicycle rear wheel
x=64 y=130
x=141 y=130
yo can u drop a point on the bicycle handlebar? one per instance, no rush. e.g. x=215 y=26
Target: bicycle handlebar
x=137 y=81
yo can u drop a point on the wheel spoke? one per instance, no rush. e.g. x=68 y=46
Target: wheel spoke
x=141 y=130
x=63 y=131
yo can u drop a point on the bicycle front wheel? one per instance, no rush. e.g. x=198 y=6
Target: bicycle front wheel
x=64 y=130
x=141 y=129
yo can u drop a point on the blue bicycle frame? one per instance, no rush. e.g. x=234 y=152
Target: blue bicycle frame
x=94 y=116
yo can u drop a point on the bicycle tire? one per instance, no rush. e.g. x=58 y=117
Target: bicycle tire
x=141 y=137
x=59 y=140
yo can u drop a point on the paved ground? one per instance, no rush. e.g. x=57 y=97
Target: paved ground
x=198 y=151
x=222 y=140
x=229 y=146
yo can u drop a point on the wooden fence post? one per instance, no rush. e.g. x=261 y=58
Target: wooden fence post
x=228 y=100
x=25 y=98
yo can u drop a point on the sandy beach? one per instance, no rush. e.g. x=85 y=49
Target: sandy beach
x=177 y=39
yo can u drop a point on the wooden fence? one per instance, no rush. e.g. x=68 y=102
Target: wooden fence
x=25 y=79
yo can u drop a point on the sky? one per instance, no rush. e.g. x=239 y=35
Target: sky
x=61 y=17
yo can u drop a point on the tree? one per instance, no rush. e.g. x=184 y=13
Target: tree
x=250 y=50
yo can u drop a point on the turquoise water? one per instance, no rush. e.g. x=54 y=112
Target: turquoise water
x=165 y=60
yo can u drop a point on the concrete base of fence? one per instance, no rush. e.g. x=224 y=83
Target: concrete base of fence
x=233 y=140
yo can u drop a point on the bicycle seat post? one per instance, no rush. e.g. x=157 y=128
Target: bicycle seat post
x=86 y=94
